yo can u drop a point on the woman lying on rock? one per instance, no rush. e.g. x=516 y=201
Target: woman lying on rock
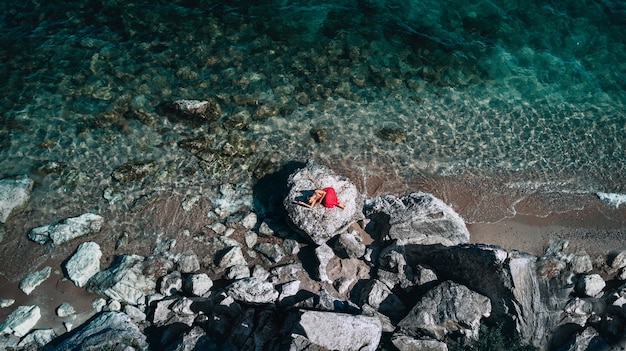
x=326 y=196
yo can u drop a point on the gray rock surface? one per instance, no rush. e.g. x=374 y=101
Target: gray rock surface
x=418 y=218
x=67 y=230
x=336 y=331
x=252 y=290
x=320 y=223
x=84 y=263
x=447 y=308
x=124 y=281
x=20 y=321
x=109 y=330
x=14 y=193
x=379 y=296
x=31 y=281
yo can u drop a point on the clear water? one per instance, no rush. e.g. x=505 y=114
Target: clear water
x=505 y=101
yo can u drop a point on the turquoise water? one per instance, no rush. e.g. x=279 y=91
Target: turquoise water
x=504 y=100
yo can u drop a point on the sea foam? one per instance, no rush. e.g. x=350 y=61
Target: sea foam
x=613 y=198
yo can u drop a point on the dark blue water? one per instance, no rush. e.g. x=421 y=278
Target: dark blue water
x=498 y=101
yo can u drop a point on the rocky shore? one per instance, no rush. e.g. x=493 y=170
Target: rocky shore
x=382 y=273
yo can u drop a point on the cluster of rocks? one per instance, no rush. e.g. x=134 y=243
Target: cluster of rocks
x=342 y=279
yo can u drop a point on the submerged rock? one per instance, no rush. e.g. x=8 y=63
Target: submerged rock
x=418 y=218
x=67 y=230
x=109 y=330
x=319 y=223
x=14 y=193
x=191 y=111
x=21 y=321
x=133 y=171
x=84 y=263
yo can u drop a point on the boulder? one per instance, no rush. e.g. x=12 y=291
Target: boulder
x=334 y=331
x=238 y=271
x=37 y=339
x=195 y=112
x=65 y=310
x=324 y=254
x=67 y=230
x=253 y=291
x=4 y=303
x=197 y=284
x=31 y=281
x=349 y=245
x=84 y=263
x=274 y=252
x=527 y=299
x=418 y=218
x=590 y=285
x=124 y=281
x=448 y=308
x=380 y=297
x=171 y=284
x=231 y=256
x=407 y=343
x=14 y=193
x=20 y=321
x=194 y=339
x=109 y=330
x=188 y=263
x=319 y=223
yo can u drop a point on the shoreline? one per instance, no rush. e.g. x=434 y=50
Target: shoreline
x=587 y=231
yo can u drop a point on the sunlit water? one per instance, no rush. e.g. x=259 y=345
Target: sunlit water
x=501 y=100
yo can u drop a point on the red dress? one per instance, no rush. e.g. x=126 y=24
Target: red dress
x=330 y=200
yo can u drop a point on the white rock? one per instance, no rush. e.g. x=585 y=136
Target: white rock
x=84 y=263
x=252 y=290
x=198 y=284
x=250 y=238
x=31 y=281
x=98 y=304
x=324 y=254
x=171 y=284
x=21 y=321
x=114 y=305
x=289 y=289
x=134 y=313
x=590 y=285
x=407 y=343
x=188 y=263
x=69 y=229
x=232 y=257
x=249 y=221
x=65 y=309
x=125 y=281
x=4 y=303
x=14 y=193
x=339 y=331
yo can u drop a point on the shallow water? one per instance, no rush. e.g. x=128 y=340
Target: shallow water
x=513 y=104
